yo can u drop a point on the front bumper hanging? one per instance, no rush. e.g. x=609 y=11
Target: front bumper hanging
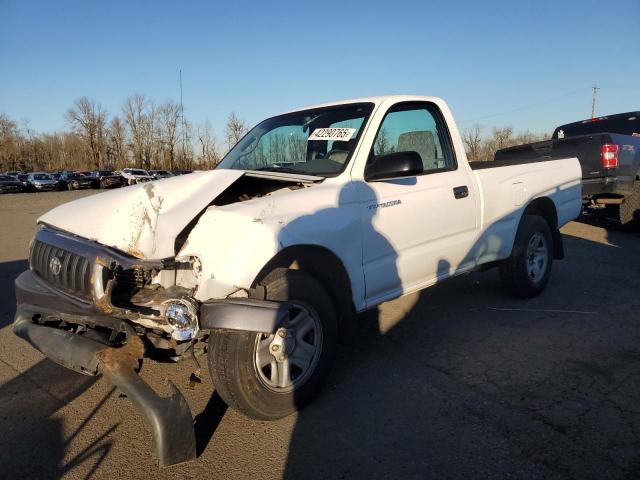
x=169 y=418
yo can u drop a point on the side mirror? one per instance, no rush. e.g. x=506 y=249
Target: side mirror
x=393 y=165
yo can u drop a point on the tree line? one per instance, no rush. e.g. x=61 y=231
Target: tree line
x=482 y=148
x=143 y=134
x=158 y=136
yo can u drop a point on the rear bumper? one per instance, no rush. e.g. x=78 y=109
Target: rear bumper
x=169 y=419
x=594 y=187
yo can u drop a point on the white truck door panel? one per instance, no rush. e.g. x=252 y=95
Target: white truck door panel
x=415 y=229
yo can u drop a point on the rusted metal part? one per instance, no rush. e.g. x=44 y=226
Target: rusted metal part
x=169 y=419
x=127 y=356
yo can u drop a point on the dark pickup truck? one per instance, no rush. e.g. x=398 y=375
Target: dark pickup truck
x=608 y=149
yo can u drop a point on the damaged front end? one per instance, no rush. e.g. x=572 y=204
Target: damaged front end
x=96 y=310
x=112 y=283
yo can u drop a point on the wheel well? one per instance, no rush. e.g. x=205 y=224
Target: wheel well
x=545 y=208
x=322 y=264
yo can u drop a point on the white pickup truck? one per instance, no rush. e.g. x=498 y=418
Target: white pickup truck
x=313 y=216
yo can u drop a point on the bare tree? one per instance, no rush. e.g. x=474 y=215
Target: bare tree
x=150 y=139
x=473 y=142
x=88 y=119
x=117 y=139
x=208 y=146
x=234 y=131
x=502 y=136
x=382 y=144
x=10 y=143
x=133 y=110
x=169 y=118
x=186 y=154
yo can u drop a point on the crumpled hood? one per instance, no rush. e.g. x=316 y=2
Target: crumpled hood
x=142 y=220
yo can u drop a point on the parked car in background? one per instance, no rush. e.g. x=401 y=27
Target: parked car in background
x=608 y=149
x=135 y=175
x=24 y=179
x=74 y=181
x=105 y=179
x=10 y=184
x=41 y=181
x=158 y=174
x=12 y=174
x=181 y=172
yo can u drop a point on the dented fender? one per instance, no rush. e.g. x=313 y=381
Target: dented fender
x=234 y=242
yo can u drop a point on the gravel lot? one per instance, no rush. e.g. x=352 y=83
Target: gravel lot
x=459 y=381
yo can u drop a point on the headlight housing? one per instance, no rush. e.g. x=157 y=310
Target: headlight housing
x=182 y=315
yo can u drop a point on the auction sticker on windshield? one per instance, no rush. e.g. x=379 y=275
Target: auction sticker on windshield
x=340 y=134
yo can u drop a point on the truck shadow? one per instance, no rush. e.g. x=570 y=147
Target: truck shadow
x=602 y=219
x=34 y=443
x=463 y=381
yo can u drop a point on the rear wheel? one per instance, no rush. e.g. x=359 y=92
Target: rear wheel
x=526 y=272
x=70 y=186
x=269 y=376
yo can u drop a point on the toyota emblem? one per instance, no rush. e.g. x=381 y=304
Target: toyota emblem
x=55 y=266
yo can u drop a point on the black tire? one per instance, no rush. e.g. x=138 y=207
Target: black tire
x=520 y=277
x=232 y=355
x=628 y=213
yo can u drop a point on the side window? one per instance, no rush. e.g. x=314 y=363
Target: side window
x=416 y=128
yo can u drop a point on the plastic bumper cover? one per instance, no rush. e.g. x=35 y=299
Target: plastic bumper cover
x=169 y=419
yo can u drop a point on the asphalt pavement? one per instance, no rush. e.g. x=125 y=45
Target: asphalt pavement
x=458 y=381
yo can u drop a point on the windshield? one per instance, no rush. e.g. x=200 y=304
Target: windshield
x=75 y=175
x=41 y=176
x=6 y=178
x=137 y=172
x=312 y=142
x=104 y=173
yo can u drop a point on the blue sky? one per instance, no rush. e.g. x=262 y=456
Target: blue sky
x=529 y=65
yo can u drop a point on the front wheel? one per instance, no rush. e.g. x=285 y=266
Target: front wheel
x=526 y=272
x=269 y=376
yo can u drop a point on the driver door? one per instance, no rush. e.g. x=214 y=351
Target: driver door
x=417 y=229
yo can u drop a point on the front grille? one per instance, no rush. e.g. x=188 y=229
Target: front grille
x=73 y=275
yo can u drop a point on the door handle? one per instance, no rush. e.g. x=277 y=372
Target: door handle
x=461 y=192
